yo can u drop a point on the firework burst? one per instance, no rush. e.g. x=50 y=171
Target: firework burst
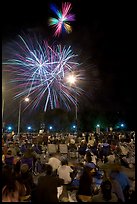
x=41 y=71
x=61 y=23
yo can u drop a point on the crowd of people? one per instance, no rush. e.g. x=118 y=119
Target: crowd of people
x=91 y=168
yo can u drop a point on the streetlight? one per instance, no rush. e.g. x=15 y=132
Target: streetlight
x=98 y=128
x=19 y=117
x=9 y=128
x=71 y=79
x=3 y=103
x=29 y=128
x=3 y=106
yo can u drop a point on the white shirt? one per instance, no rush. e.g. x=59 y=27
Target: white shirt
x=54 y=162
x=64 y=173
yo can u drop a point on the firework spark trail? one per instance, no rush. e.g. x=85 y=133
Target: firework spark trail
x=40 y=71
x=61 y=23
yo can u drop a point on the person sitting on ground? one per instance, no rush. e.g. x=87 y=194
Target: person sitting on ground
x=26 y=178
x=116 y=188
x=85 y=185
x=111 y=158
x=122 y=179
x=72 y=146
x=23 y=147
x=13 y=191
x=82 y=147
x=88 y=160
x=55 y=162
x=9 y=158
x=6 y=174
x=47 y=186
x=105 y=194
x=64 y=171
x=10 y=194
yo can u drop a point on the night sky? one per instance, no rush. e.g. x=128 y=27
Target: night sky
x=102 y=34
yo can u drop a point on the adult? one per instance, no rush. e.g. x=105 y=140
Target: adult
x=105 y=194
x=9 y=158
x=47 y=186
x=26 y=178
x=84 y=190
x=123 y=180
x=55 y=162
x=64 y=171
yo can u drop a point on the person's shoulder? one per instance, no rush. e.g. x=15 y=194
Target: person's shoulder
x=114 y=198
x=97 y=198
x=41 y=178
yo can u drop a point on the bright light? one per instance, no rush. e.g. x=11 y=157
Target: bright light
x=74 y=126
x=29 y=127
x=98 y=125
x=71 y=79
x=27 y=99
x=9 y=128
x=122 y=125
x=50 y=127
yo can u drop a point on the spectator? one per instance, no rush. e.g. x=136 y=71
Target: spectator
x=105 y=194
x=6 y=174
x=9 y=158
x=26 y=178
x=13 y=191
x=10 y=194
x=23 y=148
x=88 y=161
x=116 y=188
x=85 y=184
x=55 y=162
x=47 y=186
x=64 y=171
x=82 y=148
x=72 y=146
x=123 y=180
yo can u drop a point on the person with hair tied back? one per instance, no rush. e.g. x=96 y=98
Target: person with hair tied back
x=105 y=194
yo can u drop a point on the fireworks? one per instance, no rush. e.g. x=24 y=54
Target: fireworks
x=41 y=71
x=61 y=23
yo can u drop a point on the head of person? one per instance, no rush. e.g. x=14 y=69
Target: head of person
x=72 y=141
x=6 y=174
x=10 y=192
x=24 y=168
x=48 y=169
x=9 y=152
x=106 y=187
x=88 y=156
x=54 y=154
x=64 y=161
x=89 y=168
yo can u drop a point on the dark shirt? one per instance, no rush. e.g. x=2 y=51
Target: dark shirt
x=47 y=188
x=85 y=184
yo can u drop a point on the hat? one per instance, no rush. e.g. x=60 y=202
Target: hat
x=90 y=165
x=24 y=168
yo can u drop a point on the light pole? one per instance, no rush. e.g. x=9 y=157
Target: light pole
x=3 y=106
x=72 y=80
x=19 y=115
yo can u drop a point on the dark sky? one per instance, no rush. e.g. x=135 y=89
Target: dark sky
x=102 y=33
